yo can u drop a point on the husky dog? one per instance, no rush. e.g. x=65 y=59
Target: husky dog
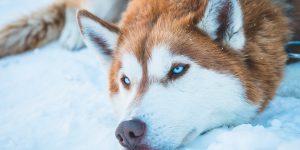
x=179 y=68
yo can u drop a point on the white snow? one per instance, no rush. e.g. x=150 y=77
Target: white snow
x=51 y=99
x=54 y=99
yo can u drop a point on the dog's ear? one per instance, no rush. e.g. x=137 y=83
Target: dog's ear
x=98 y=34
x=223 y=22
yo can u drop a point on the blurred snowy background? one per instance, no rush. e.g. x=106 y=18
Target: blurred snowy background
x=54 y=99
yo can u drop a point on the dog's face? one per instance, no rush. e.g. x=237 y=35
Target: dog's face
x=176 y=98
x=170 y=84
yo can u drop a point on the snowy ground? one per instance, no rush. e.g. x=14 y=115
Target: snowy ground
x=53 y=99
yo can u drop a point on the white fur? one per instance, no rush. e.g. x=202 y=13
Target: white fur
x=70 y=37
x=133 y=70
x=234 y=36
x=124 y=101
x=158 y=65
x=209 y=23
x=89 y=27
x=176 y=113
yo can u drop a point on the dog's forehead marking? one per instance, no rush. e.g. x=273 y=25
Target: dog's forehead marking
x=159 y=62
x=131 y=67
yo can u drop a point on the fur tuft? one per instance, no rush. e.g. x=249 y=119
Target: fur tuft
x=32 y=31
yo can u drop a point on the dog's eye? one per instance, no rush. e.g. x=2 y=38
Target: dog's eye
x=178 y=70
x=125 y=81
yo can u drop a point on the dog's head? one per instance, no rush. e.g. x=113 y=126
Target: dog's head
x=173 y=77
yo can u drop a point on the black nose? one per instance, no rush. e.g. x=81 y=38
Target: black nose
x=131 y=133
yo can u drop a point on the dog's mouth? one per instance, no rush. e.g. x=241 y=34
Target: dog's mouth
x=193 y=134
x=189 y=137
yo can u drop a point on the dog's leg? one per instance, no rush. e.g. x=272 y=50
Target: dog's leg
x=70 y=37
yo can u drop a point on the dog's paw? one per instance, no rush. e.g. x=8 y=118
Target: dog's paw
x=70 y=37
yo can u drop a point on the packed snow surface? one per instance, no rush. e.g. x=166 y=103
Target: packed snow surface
x=55 y=99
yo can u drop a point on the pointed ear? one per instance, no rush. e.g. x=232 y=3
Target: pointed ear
x=98 y=34
x=223 y=22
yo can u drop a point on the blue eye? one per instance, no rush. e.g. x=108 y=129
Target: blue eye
x=125 y=80
x=178 y=70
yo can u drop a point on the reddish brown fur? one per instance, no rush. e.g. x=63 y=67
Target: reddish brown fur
x=32 y=31
x=173 y=22
x=40 y=27
x=36 y=29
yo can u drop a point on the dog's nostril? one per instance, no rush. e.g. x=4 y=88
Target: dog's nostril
x=119 y=137
x=131 y=134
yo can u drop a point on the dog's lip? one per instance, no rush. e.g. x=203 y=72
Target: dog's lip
x=194 y=131
x=188 y=137
x=147 y=147
x=209 y=130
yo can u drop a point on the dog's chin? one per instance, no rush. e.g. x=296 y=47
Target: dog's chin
x=189 y=138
